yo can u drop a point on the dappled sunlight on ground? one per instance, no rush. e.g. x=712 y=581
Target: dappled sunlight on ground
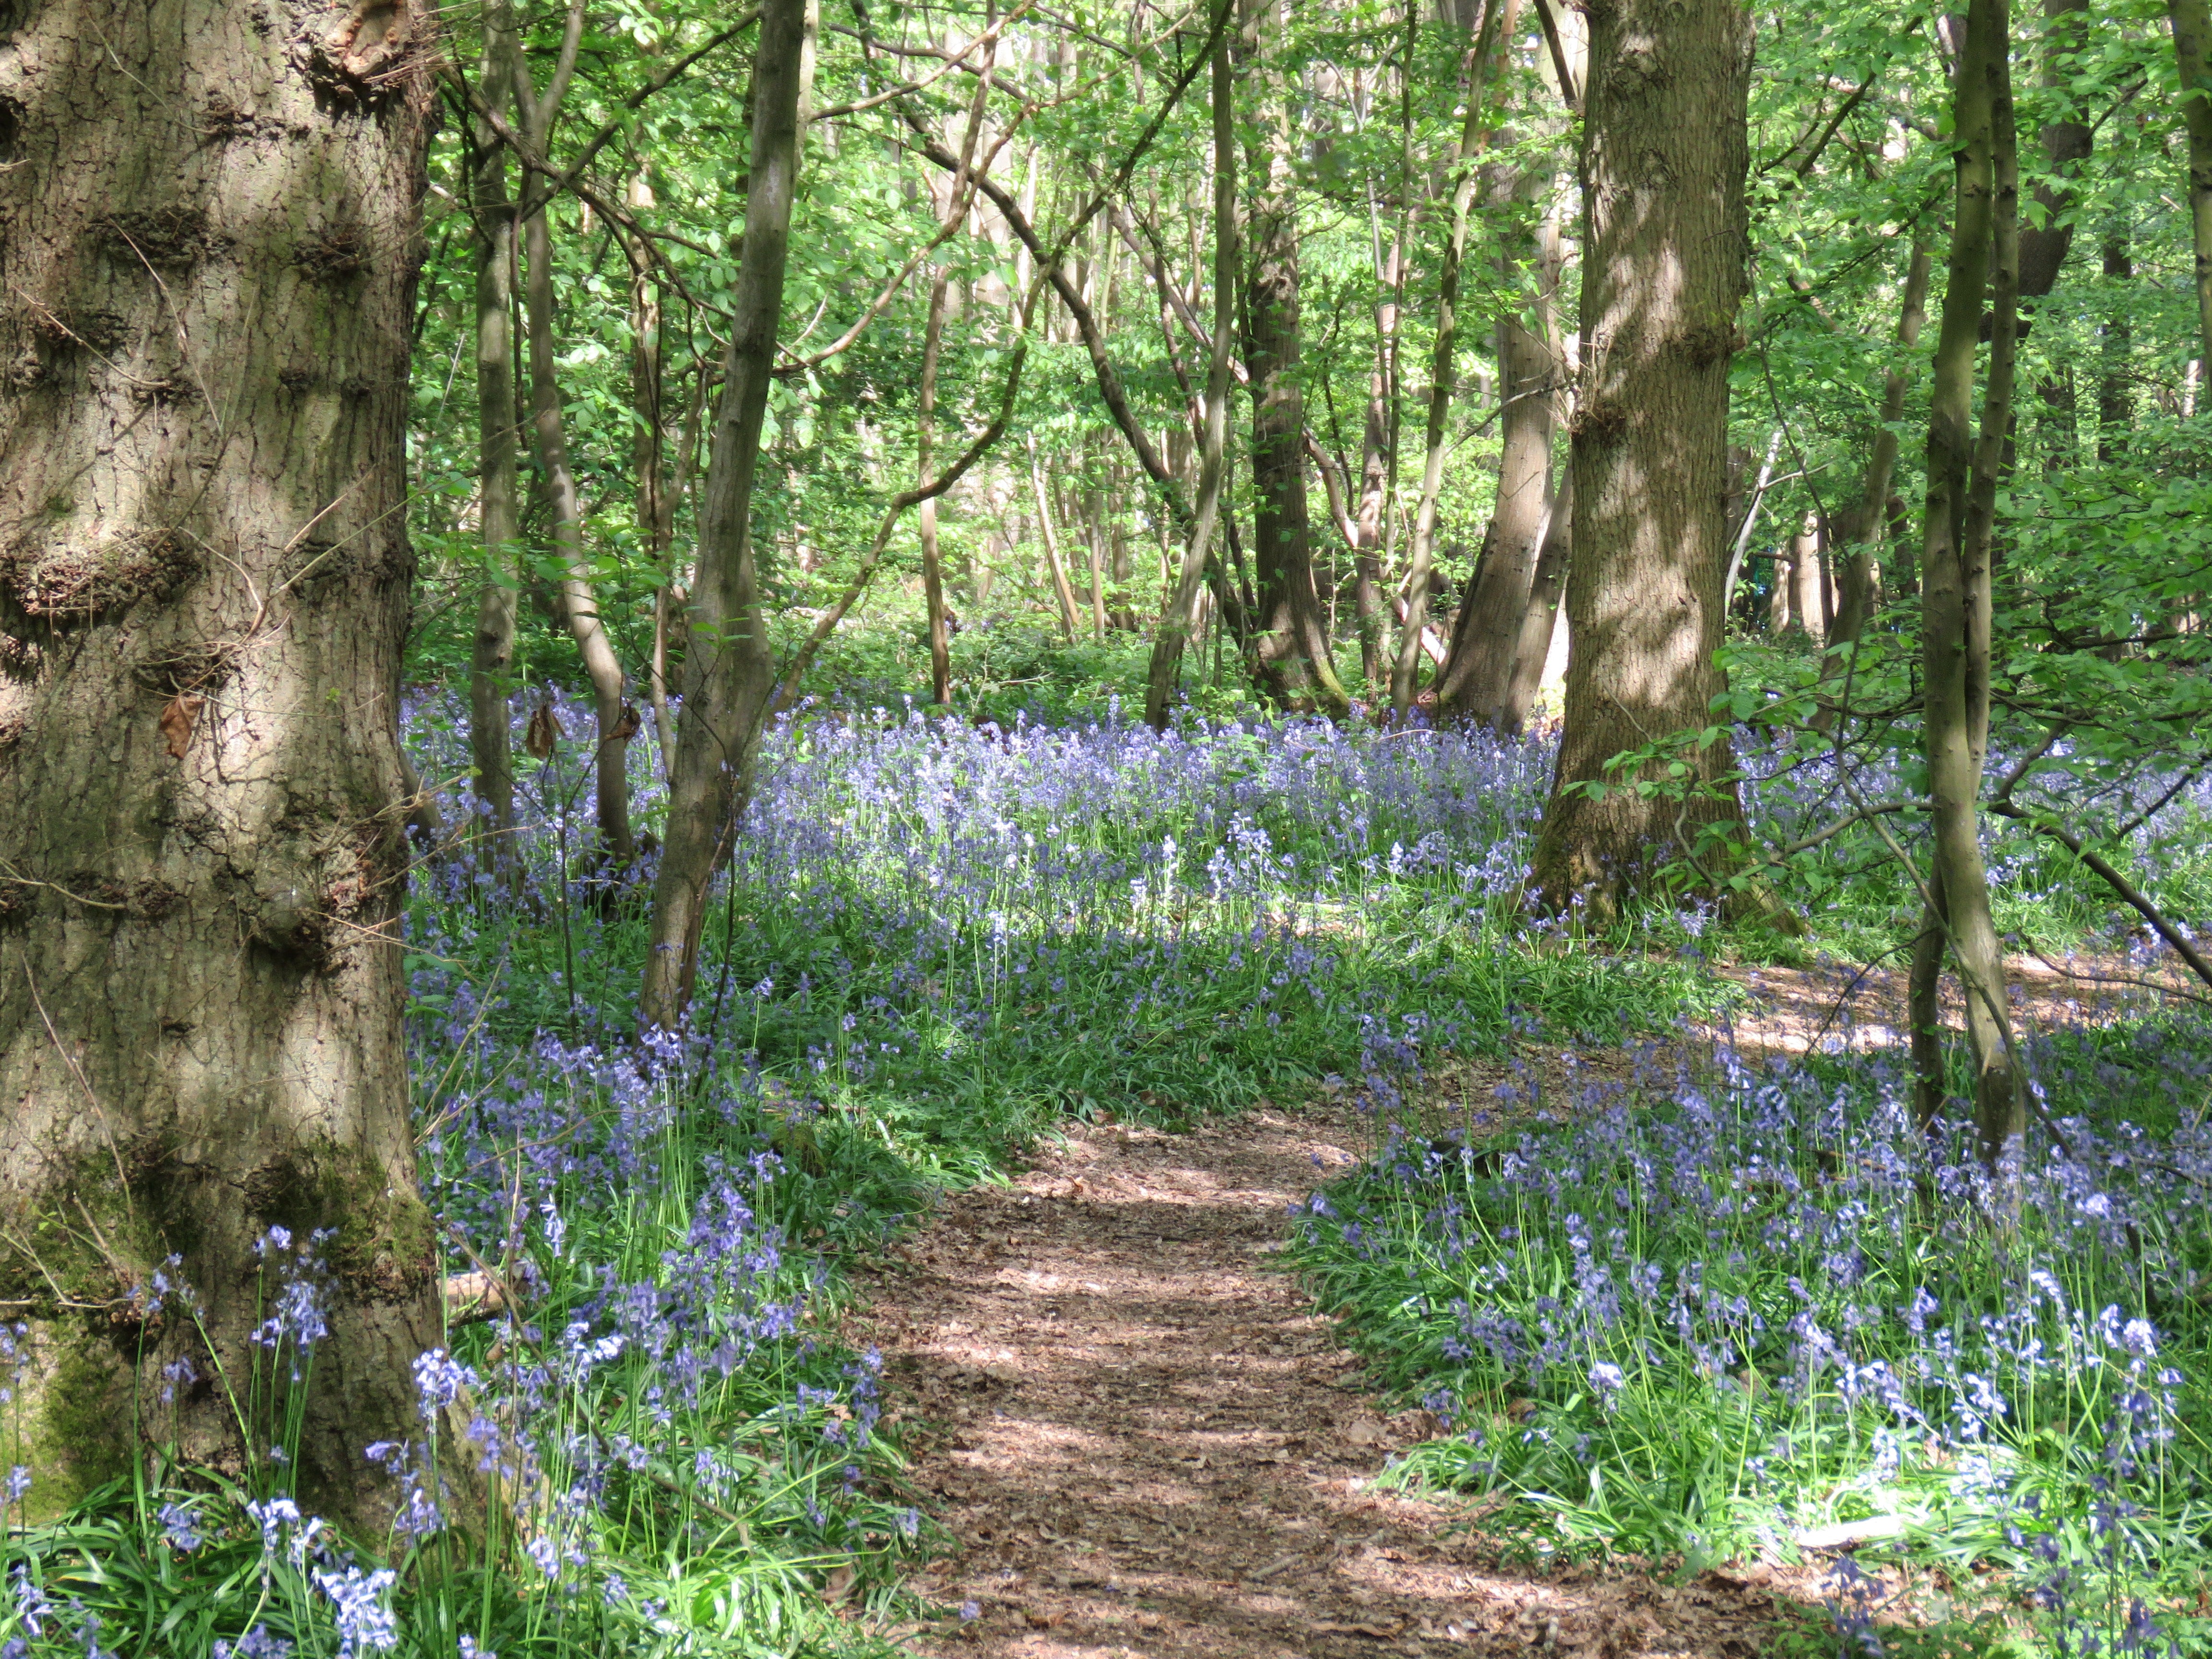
x=1149 y=1445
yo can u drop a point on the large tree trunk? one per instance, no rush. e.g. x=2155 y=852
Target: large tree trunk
x=614 y=719
x=491 y=660
x=1179 y=621
x=729 y=663
x=1290 y=642
x=1954 y=560
x=1663 y=158
x=213 y=231
x=2192 y=51
x=1477 y=679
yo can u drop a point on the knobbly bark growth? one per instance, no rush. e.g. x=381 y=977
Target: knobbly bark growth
x=2192 y=52
x=1854 y=595
x=1443 y=362
x=1955 y=588
x=615 y=721
x=1289 y=643
x=1663 y=163
x=729 y=667
x=1477 y=680
x=491 y=661
x=213 y=230
x=1179 y=623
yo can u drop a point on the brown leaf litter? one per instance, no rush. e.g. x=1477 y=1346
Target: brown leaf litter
x=1150 y=1446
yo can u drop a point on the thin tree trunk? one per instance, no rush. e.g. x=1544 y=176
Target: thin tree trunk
x=933 y=568
x=1540 y=615
x=729 y=666
x=616 y=721
x=1956 y=599
x=1477 y=681
x=1497 y=23
x=491 y=657
x=671 y=593
x=1179 y=621
x=1663 y=278
x=2192 y=50
x=1377 y=431
x=1290 y=642
x=2116 y=398
x=655 y=508
x=1064 y=595
x=1856 y=598
x=204 y=592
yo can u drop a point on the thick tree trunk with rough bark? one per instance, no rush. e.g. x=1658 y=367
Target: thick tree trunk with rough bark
x=729 y=663
x=491 y=660
x=211 y=246
x=1955 y=591
x=1663 y=159
x=1290 y=641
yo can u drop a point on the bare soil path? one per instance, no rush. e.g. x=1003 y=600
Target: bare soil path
x=1150 y=1446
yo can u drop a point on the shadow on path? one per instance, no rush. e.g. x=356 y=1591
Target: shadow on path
x=1149 y=1445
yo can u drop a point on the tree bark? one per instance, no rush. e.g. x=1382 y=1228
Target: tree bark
x=1289 y=646
x=1956 y=589
x=1663 y=157
x=1179 y=621
x=616 y=721
x=1405 y=674
x=213 y=232
x=729 y=667
x=1856 y=598
x=932 y=568
x=2192 y=50
x=491 y=660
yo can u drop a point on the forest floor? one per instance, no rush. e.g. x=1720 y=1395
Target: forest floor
x=1148 y=1445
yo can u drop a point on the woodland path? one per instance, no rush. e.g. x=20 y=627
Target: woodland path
x=1148 y=1445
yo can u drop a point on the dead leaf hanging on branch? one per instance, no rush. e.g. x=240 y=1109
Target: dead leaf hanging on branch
x=543 y=732
x=177 y=721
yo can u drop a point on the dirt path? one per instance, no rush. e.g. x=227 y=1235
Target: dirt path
x=1150 y=1446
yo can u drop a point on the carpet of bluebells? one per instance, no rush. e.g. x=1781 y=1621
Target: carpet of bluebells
x=938 y=940
x=1701 y=1315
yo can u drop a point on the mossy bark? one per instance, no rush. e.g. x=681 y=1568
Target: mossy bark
x=209 y=250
